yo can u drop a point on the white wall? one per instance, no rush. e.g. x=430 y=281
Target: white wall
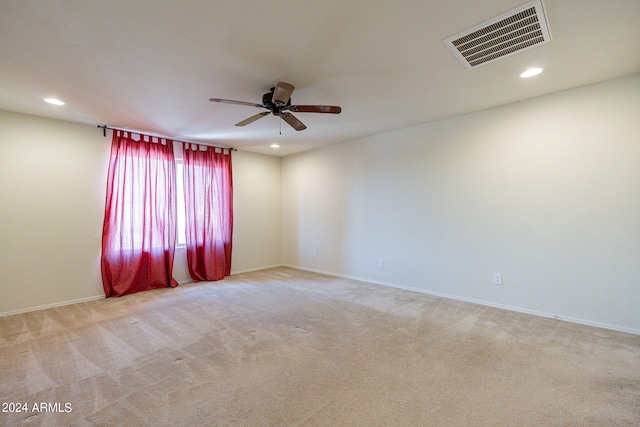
x=546 y=192
x=257 y=233
x=53 y=176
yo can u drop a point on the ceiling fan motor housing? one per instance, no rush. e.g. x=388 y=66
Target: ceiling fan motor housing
x=267 y=101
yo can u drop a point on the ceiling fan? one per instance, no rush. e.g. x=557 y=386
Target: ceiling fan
x=278 y=102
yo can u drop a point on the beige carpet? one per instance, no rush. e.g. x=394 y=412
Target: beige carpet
x=284 y=347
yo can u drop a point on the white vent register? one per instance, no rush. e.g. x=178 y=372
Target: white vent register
x=512 y=32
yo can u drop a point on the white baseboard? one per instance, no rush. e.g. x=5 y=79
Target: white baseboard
x=375 y=282
x=249 y=270
x=476 y=301
x=56 y=304
x=96 y=297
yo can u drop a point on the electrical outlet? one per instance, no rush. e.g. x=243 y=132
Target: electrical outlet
x=381 y=263
x=497 y=278
x=314 y=254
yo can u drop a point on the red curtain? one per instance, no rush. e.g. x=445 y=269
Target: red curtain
x=139 y=231
x=208 y=194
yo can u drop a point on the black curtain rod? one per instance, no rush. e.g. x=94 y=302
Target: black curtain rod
x=105 y=127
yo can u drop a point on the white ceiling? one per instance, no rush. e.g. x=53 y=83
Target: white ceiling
x=152 y=65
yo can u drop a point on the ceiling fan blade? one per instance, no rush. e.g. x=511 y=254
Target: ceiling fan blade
x=253 y=118
x=282 y=93
x=293 y=121
x=231 y=101
x=331 y=109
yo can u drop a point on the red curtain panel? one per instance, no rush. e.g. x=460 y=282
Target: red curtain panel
x=139 y=230
x=208 y=193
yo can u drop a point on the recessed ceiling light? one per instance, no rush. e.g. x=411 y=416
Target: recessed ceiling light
x=531 y=72
x=54 y=101
x=274 y=146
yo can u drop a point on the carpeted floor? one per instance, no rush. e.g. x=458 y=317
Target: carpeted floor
x=284 y=347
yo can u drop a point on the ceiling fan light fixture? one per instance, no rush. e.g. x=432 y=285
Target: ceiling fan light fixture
x=531 y=72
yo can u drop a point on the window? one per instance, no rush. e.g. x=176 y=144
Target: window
x=181 y=228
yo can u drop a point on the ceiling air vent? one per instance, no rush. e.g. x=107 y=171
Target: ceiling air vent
x=515 y=31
